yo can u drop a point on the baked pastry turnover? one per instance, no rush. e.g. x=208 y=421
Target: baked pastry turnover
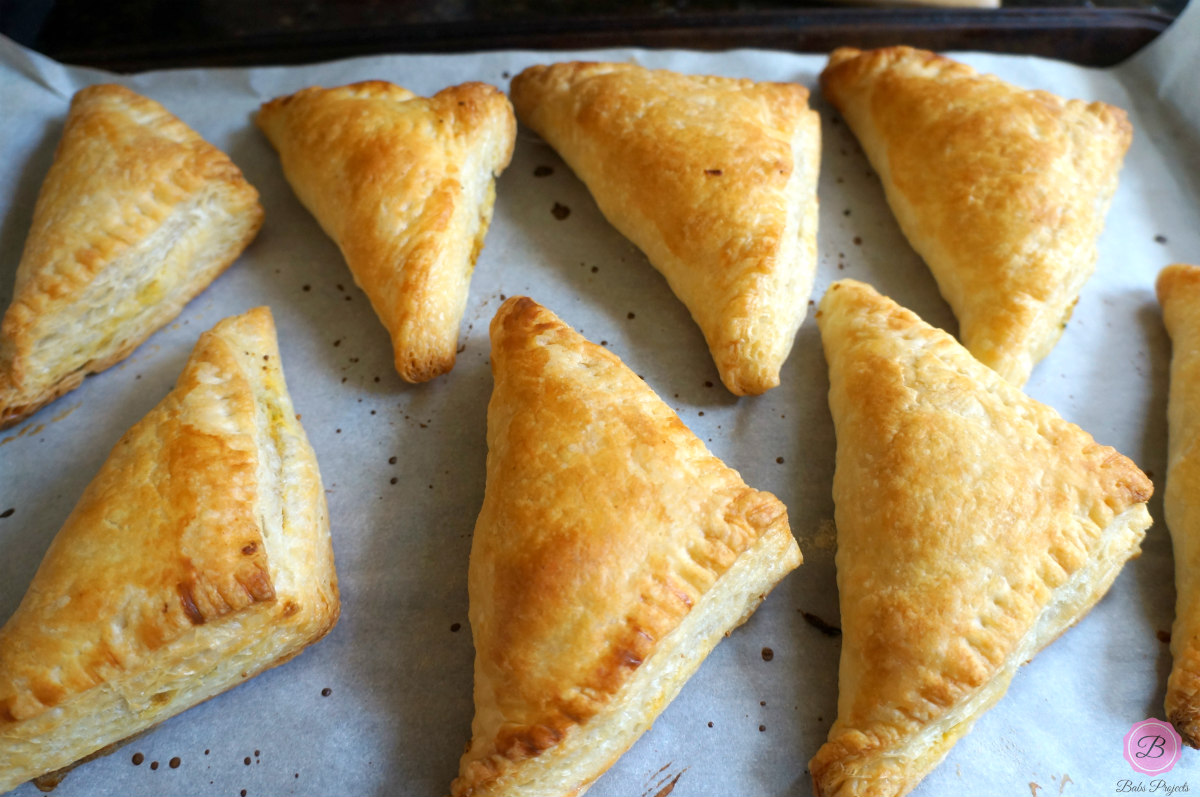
x=974 y=526
x=198 y=557
x=405 y=186
x=612 y=553
x=1002 y=191
x=714 y=179
x=137 y=215
x=1179 y=294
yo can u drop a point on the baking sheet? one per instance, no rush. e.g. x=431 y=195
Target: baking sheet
x=383 y=705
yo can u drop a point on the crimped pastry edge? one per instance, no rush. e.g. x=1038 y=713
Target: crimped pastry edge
x=862 y=770
x=569 y=768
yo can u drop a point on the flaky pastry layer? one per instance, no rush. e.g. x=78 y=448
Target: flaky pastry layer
x=1002 y=191
x=136 y=216
x=974 y=526
x=715 y=179
x=1179 y=294
x=405 y=186
x=198 y=556
x=611 y=553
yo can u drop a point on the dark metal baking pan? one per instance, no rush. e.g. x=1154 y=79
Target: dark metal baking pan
x=236 y=32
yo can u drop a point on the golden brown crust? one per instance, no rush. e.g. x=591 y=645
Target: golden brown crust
x=136 y=216
x=405 y=186
x=1002 y=191
x=605 y=525
x=713 y=178
x=974 y=526
x=1179 y=294
x=203 y=535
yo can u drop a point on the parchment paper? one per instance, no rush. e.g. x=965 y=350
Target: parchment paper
x=398 y=666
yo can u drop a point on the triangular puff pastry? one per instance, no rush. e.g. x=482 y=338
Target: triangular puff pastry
x=198 y=556
x=1179 y=294
x=974 y=526
x=1002 y=191
x=714 y=179
x=405 y=186
x=137 y=215
x=612 y=553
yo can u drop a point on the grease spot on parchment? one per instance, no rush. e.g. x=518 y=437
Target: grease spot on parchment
x=663 y=784
x=826 y=537
x=64 y=413
x=26 y=430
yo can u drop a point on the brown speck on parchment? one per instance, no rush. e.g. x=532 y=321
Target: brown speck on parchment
x=1163 y=636
x=560 y=211
x=543 y=171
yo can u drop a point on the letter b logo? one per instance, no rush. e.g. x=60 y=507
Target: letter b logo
x=1150 y=746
